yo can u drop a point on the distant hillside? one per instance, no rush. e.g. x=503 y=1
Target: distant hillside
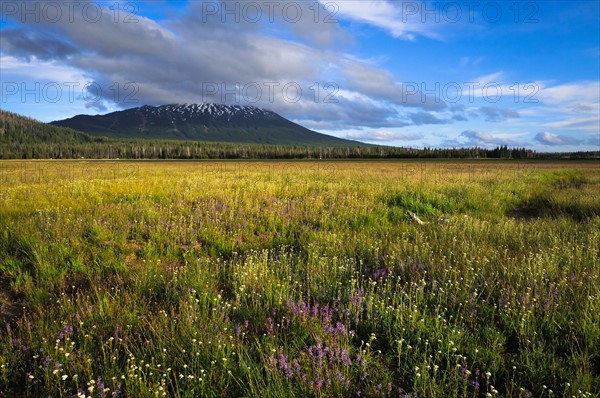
x=17 y=129
x=202 y=122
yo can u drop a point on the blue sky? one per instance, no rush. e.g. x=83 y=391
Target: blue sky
x=406 y=73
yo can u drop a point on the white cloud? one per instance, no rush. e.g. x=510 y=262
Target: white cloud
x=577 y=123
x=397 y=18
x=547 y=138
x=363 y=77
x=471 y=138
x=572 y=106
x=38 y=70
x=470 y=61
x=575 y=92
x=492 y=78
x=383 y=136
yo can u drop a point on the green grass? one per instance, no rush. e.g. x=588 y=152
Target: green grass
x=275 y=279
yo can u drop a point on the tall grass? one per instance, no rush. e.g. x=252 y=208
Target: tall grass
x=299 y=279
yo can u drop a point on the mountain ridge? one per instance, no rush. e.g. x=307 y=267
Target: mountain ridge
x=202 y=122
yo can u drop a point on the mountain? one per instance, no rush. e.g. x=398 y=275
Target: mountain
x=202 y=122
x=17 y=129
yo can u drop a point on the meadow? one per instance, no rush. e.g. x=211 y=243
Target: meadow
x=299 y=279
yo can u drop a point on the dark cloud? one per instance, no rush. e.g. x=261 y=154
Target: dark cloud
x=99 y=106
x=457 y=108
x=421 y=118
x=25 y=44
x=494 y=114
x=344 y=115
x=546 y=138
x=583 y=108
x=458 y=112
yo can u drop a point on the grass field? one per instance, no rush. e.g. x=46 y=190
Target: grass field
x=272 y=279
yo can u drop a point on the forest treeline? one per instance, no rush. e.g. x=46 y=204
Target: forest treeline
x=25 y=138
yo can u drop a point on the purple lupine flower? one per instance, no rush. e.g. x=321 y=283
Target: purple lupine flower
x=286 y=366
x=341 y=328
x=270 y=325
x=345 y=358
x=100 y=387
x=319 y=384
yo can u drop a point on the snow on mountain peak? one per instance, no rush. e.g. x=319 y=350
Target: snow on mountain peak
x=211 y=109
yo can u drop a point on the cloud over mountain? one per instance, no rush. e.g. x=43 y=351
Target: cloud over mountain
x=209 y=55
